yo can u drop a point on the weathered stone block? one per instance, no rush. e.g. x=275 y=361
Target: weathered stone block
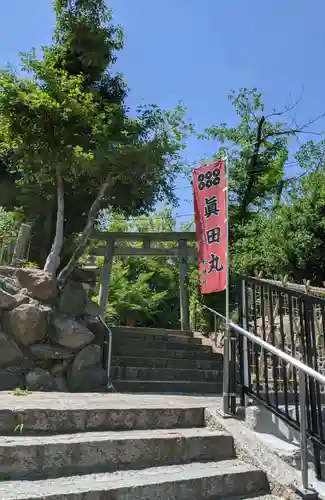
x=10 y=353
x=92 y=309
x=61 y=383
x=89 y=356
x=92 y=379
x=40 y=284
x=72 y=333
x=73 y=299
x=59 y=367
x=39 y=380
x=8 y=301
x=27 y=322
x=49 y=351
x=85 y=373
x=10 y=285
x=10 y=379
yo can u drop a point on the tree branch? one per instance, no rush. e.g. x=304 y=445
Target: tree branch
x=69 y=268
x=252 y=167
x=286 y=109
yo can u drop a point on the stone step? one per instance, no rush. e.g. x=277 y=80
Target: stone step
x=32 y=457
x=259 y=497
x=149 y=362
x=150 y=331
x=120 y=344
x=202 y=481
x=144 y=373
x=54 y=420
x=151 y=337
x=167 y=387
x=154 y=352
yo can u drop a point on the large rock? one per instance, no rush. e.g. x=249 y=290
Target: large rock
x=89 y=356
x=73 y=299
x=10 y=379
x=10 y=353
x=92 y=379
x=10 y=285
x=8 y=301
x=27 y=322
x=49 y=351
x=7 y=271
x=85 y=373
x=72 y=333
x=39 y=380
x=61 y=383
x=92 y=309
x=59 y=368
x=40 y=284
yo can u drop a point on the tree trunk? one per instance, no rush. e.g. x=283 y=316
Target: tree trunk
x=69 y=268
x=53 y=259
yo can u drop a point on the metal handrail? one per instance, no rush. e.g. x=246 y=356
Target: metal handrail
x=109 y=385
x=303 y=371
x=274 y=350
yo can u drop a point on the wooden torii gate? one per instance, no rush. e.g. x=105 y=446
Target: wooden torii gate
x=111 y=249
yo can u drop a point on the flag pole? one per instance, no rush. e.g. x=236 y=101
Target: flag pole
x=226 y=344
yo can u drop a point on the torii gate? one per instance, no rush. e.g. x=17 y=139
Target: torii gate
x=110 y=250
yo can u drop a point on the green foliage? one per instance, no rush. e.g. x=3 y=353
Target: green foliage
x=277 y=227
x=257 y=151
x=9 y=226
x=70 y=114
x=144 y=288
x=136 y=298
x=30 y=265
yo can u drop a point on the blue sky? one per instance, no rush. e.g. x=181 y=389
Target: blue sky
x=196 y=51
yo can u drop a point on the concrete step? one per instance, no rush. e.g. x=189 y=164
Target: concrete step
x=120 y=343
x=167 y=387
x=202 y=481
x=262 y=496
x=54 y=420
x=150 y=331
x=150 y=337
x=169 y=363
x=32 y=457
x=127 y=350
x=144 y=373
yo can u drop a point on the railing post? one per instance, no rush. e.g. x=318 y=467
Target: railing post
x=303 y=430
x=232 y=372
x=245 y=341
x=307 y=492
x=183 y=290
x=226 y=362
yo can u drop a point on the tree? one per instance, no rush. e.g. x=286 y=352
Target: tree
x=66 y=131
x=84 y=43
x=257 y=149
x=292 y=238
x=83 y=50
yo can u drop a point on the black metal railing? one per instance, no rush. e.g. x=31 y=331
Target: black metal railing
x=250 y=346
x=107 y=352
x=294 y=323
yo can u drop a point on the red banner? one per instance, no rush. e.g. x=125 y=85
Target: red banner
x=211 y=225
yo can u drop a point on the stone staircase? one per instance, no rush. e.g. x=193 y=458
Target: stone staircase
x=164 y=361
x=96 y=447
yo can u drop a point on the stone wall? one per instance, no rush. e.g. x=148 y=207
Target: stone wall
x=49 y=339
